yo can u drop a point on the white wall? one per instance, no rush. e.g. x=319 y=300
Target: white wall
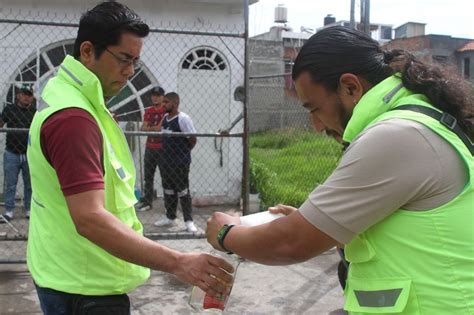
x=162 y=53
x=201 y=15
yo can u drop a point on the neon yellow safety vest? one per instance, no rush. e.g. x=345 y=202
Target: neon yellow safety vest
x=58 y=257
x=412 y=262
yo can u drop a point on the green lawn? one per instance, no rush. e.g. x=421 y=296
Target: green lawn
x=286 y=165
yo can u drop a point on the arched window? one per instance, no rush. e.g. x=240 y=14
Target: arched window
x=204 y=58
x=38 y=68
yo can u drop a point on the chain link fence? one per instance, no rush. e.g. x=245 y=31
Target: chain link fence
x=287 y=158
x=202 y=61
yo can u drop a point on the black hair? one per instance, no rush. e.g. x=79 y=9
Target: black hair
x=104 y=25
x=158 y=90
x=337 y=50
x=173 y=96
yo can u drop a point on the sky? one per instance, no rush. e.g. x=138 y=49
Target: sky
x=442 y=17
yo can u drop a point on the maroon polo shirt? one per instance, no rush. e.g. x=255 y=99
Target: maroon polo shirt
x=72 y=143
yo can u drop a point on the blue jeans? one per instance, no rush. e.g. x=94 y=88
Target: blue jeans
x=54 y=302
x=12 y=164
x=61 y=303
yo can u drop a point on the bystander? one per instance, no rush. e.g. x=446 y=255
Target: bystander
x=18 y=115
x=176 y=163
x=153 y=151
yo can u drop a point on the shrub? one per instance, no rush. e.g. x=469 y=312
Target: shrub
x=261 y=179
x=286 y=165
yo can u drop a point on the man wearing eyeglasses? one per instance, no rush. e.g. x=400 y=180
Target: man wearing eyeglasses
x=86 y=250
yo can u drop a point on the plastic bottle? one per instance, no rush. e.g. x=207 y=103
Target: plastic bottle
x=259 y=218
x=202 y=302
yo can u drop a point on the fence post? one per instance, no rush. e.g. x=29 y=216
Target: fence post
x=245 y=138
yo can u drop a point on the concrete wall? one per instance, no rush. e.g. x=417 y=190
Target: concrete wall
x=202 y=15
x=408 y=30
x=266 y=57
x=270 y=106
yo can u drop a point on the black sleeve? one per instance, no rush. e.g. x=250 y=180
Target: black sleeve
x=6 y=114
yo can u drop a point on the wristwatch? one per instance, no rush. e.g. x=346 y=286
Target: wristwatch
x=222 y=234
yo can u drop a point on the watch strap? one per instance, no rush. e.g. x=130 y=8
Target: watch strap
x=222 y=234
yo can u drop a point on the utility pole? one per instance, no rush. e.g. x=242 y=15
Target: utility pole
x=352 y=21
x=365 y=16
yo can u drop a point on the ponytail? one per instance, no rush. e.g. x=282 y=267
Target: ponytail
x=445 y=90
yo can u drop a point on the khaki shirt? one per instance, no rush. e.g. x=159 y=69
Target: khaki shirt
x=393 y=164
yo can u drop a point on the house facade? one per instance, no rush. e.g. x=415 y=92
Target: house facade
x=196 y=48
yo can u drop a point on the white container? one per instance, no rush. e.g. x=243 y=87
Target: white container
x=203 y=303
x=259 y=218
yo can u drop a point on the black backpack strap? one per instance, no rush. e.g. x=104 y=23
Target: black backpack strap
x=445 y=119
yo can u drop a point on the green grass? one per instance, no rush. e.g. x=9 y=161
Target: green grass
x=286 y=165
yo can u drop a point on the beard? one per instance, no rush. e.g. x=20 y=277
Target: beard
x=333 y=134
x=344 y=116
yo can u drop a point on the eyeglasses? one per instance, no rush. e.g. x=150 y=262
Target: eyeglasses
x=126 y=62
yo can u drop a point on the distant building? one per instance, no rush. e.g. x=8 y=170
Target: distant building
x=440 y=49
x=286 y=45
x=466 y=57
x=380 y=32
x=410 y=29
x=272 y=102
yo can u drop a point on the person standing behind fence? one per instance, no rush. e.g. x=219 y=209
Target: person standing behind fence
x=176 y=163
x=18 y=115
x=86 y=248
x=151 y=122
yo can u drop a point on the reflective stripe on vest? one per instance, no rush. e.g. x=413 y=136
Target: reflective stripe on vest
x=380 y=298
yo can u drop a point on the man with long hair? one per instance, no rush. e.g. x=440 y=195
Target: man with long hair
x=401 y=199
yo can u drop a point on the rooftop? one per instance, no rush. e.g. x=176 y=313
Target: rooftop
x=468 y=47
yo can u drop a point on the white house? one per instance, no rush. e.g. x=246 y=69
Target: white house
x=196 y=48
